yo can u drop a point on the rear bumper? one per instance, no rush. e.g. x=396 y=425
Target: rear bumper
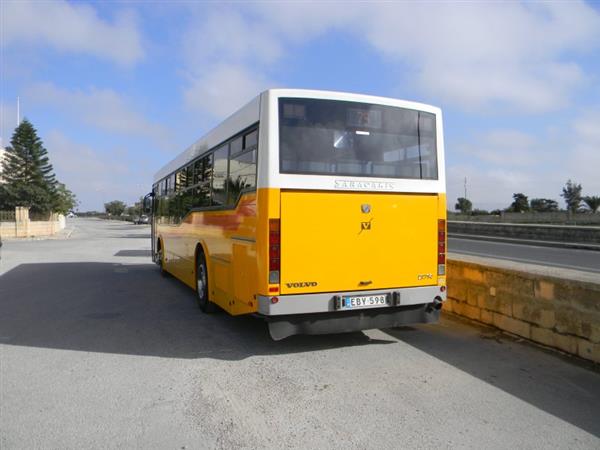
x=281 y=327
x=325 y=302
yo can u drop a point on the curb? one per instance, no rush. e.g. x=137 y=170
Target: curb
x=574 y=245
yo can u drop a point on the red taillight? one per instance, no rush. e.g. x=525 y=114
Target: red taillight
x=274 y=250
x=441 y=247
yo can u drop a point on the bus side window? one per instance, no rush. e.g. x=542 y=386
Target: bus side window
x=189 y=175
x=187 y=202
x=242 y=175
x=202 y=188
x=180 y=180
x=251 y=139
x=220 y=171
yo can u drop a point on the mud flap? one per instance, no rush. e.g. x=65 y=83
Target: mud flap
x=281 y=327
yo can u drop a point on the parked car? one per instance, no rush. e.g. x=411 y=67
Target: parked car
x=142 y=220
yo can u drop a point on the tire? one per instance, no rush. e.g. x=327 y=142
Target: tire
x=161 y=265
x=202 y=285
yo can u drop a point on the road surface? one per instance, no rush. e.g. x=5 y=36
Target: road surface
x=97 y=350
x=568 y=258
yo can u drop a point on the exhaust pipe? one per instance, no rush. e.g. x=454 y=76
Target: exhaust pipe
x=436 y=305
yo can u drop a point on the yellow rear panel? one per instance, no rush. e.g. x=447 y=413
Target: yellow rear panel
x=340 y=241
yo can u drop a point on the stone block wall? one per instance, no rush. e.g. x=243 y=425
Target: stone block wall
x=556 y=312
x=23 y=227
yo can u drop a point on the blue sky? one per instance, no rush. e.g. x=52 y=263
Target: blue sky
x=117 y=89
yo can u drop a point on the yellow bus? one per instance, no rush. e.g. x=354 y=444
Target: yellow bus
x=320 y=212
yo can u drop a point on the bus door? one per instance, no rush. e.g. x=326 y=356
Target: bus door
x=149 y=206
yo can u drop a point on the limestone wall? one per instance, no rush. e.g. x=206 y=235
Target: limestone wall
x=549 y=308
x=22 y=227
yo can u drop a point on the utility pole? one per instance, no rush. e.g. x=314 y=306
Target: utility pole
x=465 y=187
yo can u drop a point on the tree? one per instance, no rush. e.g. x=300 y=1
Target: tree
x=64 y=199
x=463 y=205
x=543 y=205
x=520 y=203
x=115 y=208
x=592 y=202
x=28 y=175
x=136 y=209
x=572 y=195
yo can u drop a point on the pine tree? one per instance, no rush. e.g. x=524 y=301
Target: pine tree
x=572 y=195
x=27 y=173
x=520 y=203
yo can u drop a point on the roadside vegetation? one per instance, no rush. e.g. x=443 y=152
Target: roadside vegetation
x=578 y=210
x=117 y=210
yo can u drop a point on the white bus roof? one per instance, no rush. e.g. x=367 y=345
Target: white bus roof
x=250 y=113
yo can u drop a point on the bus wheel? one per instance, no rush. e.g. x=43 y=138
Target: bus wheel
x=161 y=263
x=202 y=285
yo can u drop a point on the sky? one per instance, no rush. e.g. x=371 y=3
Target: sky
x=117 y=89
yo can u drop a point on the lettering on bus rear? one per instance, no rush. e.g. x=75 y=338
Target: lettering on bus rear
x=302 y=284
x=364 y=185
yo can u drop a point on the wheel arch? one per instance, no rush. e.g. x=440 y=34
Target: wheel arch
x=200 y=247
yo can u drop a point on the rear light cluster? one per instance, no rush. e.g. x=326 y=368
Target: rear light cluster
x=274 y=251
x=441 y=247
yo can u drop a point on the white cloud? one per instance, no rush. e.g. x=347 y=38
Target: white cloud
x=222 y=51
x=102 y=108
x=97 y=176
x=223 y=89
x=225 y=36
x=478 y=55
x=474 y=55
x=503 y=148
x=502 y=162
x=583 y=158
x=72 y=28
x=8 y=123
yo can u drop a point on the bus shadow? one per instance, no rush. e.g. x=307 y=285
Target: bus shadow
x=568 y=389
x=131 y=309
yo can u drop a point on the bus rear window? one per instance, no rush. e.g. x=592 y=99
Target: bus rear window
x=330 y=137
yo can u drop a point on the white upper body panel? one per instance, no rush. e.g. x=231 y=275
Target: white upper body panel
x=268 y=170
x=265 y=107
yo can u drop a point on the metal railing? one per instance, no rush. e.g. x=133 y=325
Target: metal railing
x=39 y=216
x=7 y=216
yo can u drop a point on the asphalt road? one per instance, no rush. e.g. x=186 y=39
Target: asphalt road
x=97 y=350
x=568 y=258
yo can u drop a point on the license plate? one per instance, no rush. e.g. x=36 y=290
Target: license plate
x=363 y=301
